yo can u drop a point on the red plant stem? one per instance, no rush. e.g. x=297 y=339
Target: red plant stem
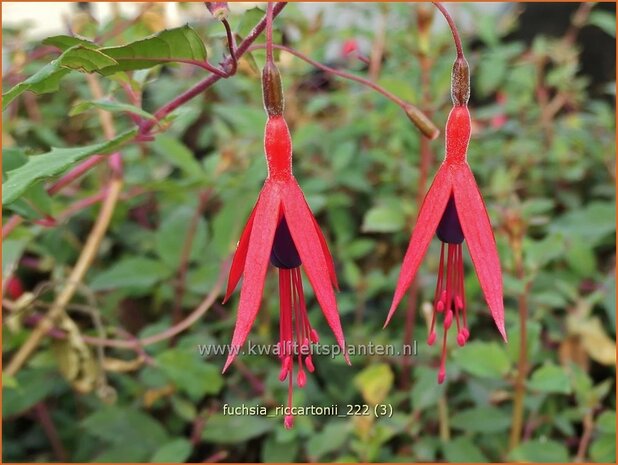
x=336 y=72
x=453 y=27
x=161 y=113
x=269 y=32
x=50 y=430
x=75 y=173
x=210 y=80
x=424 y=124
x=93 y=199
x=231 y=45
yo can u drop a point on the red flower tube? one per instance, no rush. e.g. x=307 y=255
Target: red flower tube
x=454 y=210
x=282 y=230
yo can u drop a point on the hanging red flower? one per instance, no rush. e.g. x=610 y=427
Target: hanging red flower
x=282 y=230
x=454 y=210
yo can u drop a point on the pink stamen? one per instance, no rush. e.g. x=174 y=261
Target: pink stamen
x=295 y=333
x=449 y=300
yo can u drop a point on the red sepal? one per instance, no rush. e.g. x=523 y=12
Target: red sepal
x=480 y=239
x=256 y=265
x=428 y=218
x=306 y=238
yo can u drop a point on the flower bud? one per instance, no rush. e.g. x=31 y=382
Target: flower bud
x=218 y=9
x=271 y=89
x=460 y=82
x=421 y=121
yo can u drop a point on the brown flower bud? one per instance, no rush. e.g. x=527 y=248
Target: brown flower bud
x=460 y=82
x=271 y=89
x=421 y=121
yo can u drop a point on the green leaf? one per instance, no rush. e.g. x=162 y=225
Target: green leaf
x=591 y=223
x=66 y=42
x=190 y=373
x=603 y=449
x=178 y=154
x=127 y=426
x=540 y=451
x=181 y=43
x=550 y=378
x=606 y=423
x=47 y=79
x=12 y=250
x=53 y=163
x=234 y=429
x=603 y=20
x=375 y=382
x=486 y=360
x=32 y=386
x=175 y=451
x=133 y=272
x=581 y=258
x=172 y=233
x=462 y=449
x=481 y=420
x=331 y=438
x=425 y=391
x=383 y=219
x=109 y=105
x=275 y=451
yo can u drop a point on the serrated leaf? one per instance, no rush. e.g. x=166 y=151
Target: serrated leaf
x=53 y=163
x=47 y=79
x=65 y=42
x=109 y=105
x=181 y=43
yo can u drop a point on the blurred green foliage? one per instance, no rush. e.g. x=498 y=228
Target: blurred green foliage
x=543 y=153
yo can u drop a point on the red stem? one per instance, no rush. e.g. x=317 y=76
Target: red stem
x=453 y=27
x=51 y=432
x=210 y=80
x=161 y=113
x=336 y=72
x=269 y=32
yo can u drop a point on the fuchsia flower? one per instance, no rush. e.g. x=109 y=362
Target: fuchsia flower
x=282 y=230
x=454 y=210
